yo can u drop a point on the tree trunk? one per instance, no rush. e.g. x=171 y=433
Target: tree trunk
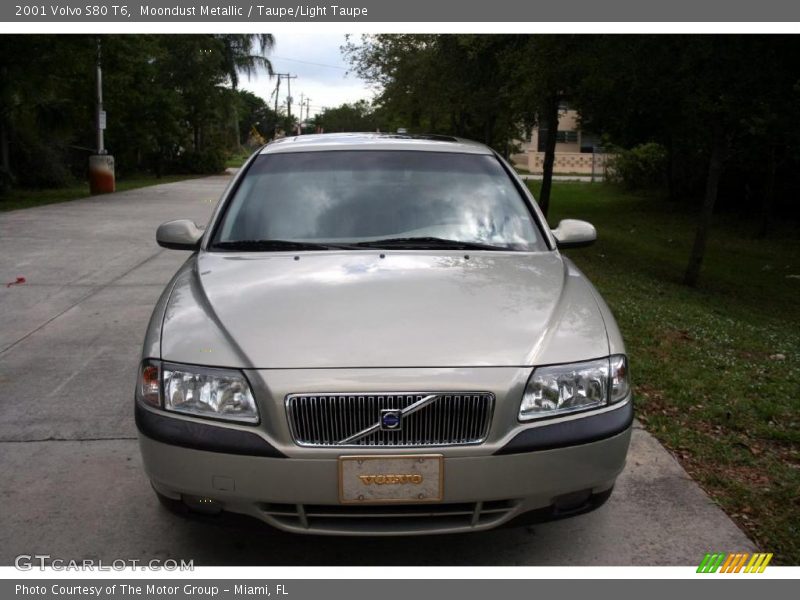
x=5 y=155
x=769 y=195
x=237 y=138
x=701 y=236
x=416 y=119
x=5 y=121
x=196 y=136
x=551 y=118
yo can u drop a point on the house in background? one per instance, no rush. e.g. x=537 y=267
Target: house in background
x=577 y=152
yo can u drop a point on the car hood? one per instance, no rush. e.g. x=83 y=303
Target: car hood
x=396 y=309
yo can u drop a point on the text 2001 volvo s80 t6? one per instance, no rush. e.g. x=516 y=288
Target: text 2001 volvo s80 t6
x=377 y=334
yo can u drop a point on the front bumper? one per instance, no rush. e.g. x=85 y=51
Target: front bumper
x=260 y=471
x=301 y=494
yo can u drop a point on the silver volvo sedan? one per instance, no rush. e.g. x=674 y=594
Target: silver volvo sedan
x=378 y=335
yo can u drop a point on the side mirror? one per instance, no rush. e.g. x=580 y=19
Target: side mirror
x=182 y=234
x=572 y=233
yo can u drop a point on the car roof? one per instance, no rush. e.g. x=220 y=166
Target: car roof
x=374 y=141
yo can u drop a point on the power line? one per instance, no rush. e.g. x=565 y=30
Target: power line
x=308 y=62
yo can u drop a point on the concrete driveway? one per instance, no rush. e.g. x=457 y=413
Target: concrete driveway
x=72 y=484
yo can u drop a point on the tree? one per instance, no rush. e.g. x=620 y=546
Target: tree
x=547 y=71
x=43 y=91
x=711 y=101
x=171 y=102
x=359 y=116
x=245 y=53
x=489 y=88
x=145 y=115
x=446 y=84
x=254 y=112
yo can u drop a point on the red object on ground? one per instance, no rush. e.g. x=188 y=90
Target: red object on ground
x=17 y=282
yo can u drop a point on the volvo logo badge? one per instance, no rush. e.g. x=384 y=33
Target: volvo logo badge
x=391 y=420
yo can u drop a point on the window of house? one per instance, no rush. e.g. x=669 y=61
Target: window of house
x=562 y=137
x=567 y=137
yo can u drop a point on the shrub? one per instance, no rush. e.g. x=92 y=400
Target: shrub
x=209 y=161
x=39 y=164
x=641 y=167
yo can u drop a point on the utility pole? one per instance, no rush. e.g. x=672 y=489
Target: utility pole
x=288 y=77
x=308 y=108
x=100 y=116
x=301 y=106
x=277 y=93
x=101 y=165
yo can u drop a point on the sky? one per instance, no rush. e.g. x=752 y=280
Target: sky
x=327 y=82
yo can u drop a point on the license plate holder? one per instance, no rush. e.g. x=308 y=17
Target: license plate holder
x=387 y=479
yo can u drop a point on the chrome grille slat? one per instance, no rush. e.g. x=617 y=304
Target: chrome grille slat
x=473 y=413
x=312 y=413
x=330 y=416
x=458 y=425
x=446 y=431
x=449 y=419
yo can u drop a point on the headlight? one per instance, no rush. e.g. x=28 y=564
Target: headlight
x=199 y=391
x=569 y=388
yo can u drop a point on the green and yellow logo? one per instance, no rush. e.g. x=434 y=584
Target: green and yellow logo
x=734 y=563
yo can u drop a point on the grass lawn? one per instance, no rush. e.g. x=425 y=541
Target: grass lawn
x=716 y=369
x=17 y=199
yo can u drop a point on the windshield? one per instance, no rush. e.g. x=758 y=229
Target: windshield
x=372 y=198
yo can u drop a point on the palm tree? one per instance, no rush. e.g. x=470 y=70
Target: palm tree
x=244 y=53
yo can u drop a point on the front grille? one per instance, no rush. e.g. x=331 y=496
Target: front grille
x=330 y=419
x=390 y=519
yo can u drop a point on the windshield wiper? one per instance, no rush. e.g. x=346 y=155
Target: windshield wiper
x=273 y=245
x=427 y=243
x=408 y=243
